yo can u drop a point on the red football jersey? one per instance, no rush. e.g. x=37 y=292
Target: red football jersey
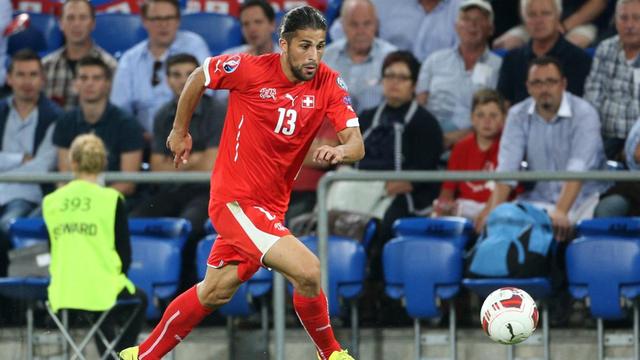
x=270 y=125
x=466 y=155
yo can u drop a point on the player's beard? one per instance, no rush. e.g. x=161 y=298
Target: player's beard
x=298 y=71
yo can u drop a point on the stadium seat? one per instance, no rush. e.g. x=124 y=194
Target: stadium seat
x=156 y=245
x=458 y=230
x=208 y=227
x=423 y=272
x=623 y=227
x=242 y=303
x=333 y=11
x=219 y=31
x=29 y=290
x=346 y=266
x=116 y=32
x=27 y=231
x=42 y=35
x=606 y=271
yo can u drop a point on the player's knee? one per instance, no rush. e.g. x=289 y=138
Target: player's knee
x=308 y=279
x=216 y=296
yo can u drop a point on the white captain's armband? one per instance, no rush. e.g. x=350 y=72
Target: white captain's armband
x=353 y=123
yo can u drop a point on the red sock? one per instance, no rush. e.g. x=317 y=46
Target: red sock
x=183 y=314
x=314 y=315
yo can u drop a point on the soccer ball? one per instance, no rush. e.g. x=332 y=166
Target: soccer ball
x=509 y=315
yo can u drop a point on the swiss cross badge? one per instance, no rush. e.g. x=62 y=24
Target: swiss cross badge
x=308 y=101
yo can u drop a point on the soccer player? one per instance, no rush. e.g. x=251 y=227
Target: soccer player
x=277 y=103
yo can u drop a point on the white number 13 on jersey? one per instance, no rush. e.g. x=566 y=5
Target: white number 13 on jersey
x=290 y=115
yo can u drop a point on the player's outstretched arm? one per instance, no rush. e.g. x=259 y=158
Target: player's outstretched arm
x=351 y=148
x=179 y=140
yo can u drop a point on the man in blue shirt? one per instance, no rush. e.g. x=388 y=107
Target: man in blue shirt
x=419 y=26
x=551 y=130
x=26 y=126
x=358 y=57
x=140 y=86
x=449 y=77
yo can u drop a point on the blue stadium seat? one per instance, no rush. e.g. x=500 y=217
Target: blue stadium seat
x=346 y=264
x=219 y=31
x=156 y=246
x=458 y=230
x=624 y=227
x=606 y=270
x=42 y=35
x=242 y=303
x=27 y=231
x=208 y=227
x=422 y=272
x=347 y=261
x=30 y=290
x=116 y=32
x=333 y=11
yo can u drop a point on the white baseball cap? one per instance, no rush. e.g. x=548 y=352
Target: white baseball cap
x=482 y=4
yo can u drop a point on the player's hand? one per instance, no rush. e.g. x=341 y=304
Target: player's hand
x=329 y=154
x=562 y=227
x=180 y=145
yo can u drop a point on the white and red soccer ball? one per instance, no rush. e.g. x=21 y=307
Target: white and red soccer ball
x=509 y=315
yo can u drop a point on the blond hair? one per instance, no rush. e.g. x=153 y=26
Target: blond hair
x=88 y=153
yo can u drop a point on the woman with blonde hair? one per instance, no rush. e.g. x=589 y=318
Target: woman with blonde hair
x=90 y=248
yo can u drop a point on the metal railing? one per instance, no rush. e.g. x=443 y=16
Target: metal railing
x=322 y=191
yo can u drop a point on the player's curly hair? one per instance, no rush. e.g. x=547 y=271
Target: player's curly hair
x=88 y=153
x=300 y=18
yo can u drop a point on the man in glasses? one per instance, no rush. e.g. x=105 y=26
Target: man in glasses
x=552 y=130
x=139 y=85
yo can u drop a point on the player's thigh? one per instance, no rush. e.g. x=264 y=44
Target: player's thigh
x=219 y=285
x=293 y=259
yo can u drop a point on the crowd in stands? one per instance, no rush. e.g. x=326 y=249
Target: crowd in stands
x=432 y=81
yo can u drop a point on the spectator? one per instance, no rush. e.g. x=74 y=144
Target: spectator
x=478 y=151
x=578 y=24
x=26 y=126
x=5 y=20
x=139 y=86
x=189 y=201
x=542 y=21
x=89 y=268
x=623 y=199
x=420 y=146
x=258 y=22
x=421 y=26
x=612 y=85
x=449 y=77
x=77 y=21
x=258 y=26
x=95 y=114
x=358 y=57
x=552 y=130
